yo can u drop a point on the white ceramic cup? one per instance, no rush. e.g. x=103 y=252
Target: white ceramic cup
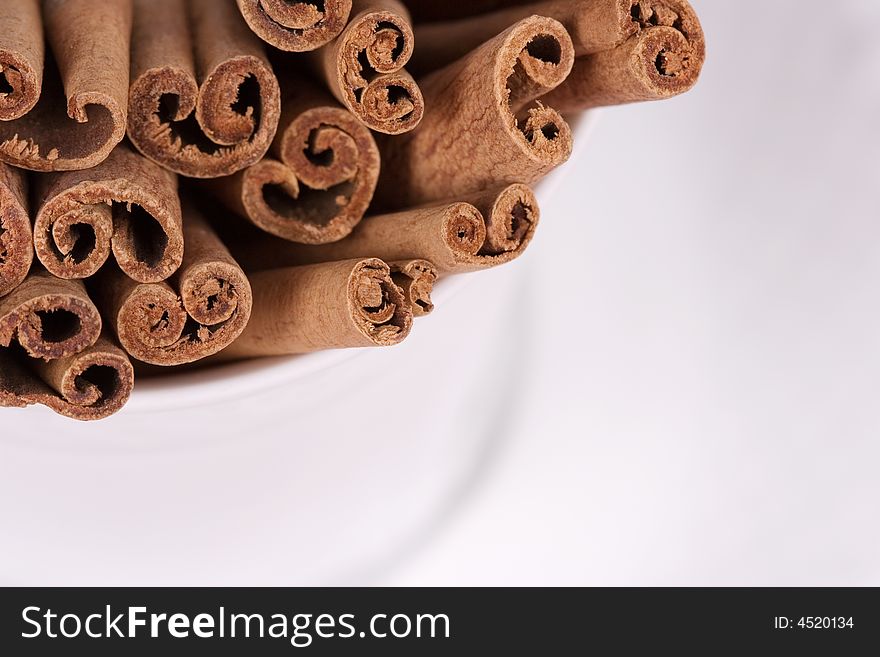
x=319 y=469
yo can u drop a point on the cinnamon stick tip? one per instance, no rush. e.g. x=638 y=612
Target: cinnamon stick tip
x=51 y=326
x=548 y=137
x=464 y=229
x=97 y=384
x=216 y=291
x=544 y=48
x=668 y=63
x=392 y=104
x=391 y=42
x=416 y=278
x=671 y=46
x=377 y=305
x=512 y=220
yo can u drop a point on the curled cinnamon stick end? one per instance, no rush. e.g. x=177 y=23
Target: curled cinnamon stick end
x=333 y=305
x=511 y=213
x=203 y=309
x=204 y=101
x=16 y=236
x=296 y=25
x=363 y=67
x=322 y=181
x=594 y=26
x=90 y=41
x=454 y=237
x=480 y=111
x=126 y=204
x=416 y=279
x=21 y=57
x=90 y=385
x=663 y=59
x=49 y=317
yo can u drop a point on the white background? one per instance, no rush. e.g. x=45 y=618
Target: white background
x=676 y=384
x=702 y=404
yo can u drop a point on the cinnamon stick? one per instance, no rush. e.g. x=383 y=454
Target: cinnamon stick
x=126 y=204
x=662 y=59
x=90 y=43
x=298 y=25
x=21 y=57
x=454 y=237
x=204 y=101
x=594 y=26
x=333 y=305
x=363 y=67
x=416 y=279
x=89 y=385
x=512 y=215
x=481 y=127
x=321 y=175
x=196 y=314
x=49 y=317
x=16 y=236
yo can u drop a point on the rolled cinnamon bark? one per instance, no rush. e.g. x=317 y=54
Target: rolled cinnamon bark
x=320 y=179
x=512 y=214
x=90 y=42
x=16 y=236
x=196 y=314
x=296 y=25
x=126 y=204
x=49 y=317
x=454 y=237
x=21 y=57
x=332 y=305
x=203 y=100
x=416 y=279
x=90 y=385
x=594 y=26
x=481 y=127
x=363 y=67
x=663 y=59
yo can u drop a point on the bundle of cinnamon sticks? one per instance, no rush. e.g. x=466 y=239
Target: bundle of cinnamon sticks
x=193 y=181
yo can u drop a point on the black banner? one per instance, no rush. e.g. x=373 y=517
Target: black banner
x=338 y=621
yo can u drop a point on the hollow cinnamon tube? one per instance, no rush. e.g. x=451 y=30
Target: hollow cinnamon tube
x=21 y=57
x=296 y=26
x=512 y=214
x=16 y=236
x=90 y=42
x=332 y=305
x=481 y=127
x=594 y=25
x=320 y=178
x=363 y=67
x=196 y=314
x=454 y=237
x=663 y=59
x=203 y=100
x=90 y=385
x=49 y=317
x=416 y=279
x=126 y=204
